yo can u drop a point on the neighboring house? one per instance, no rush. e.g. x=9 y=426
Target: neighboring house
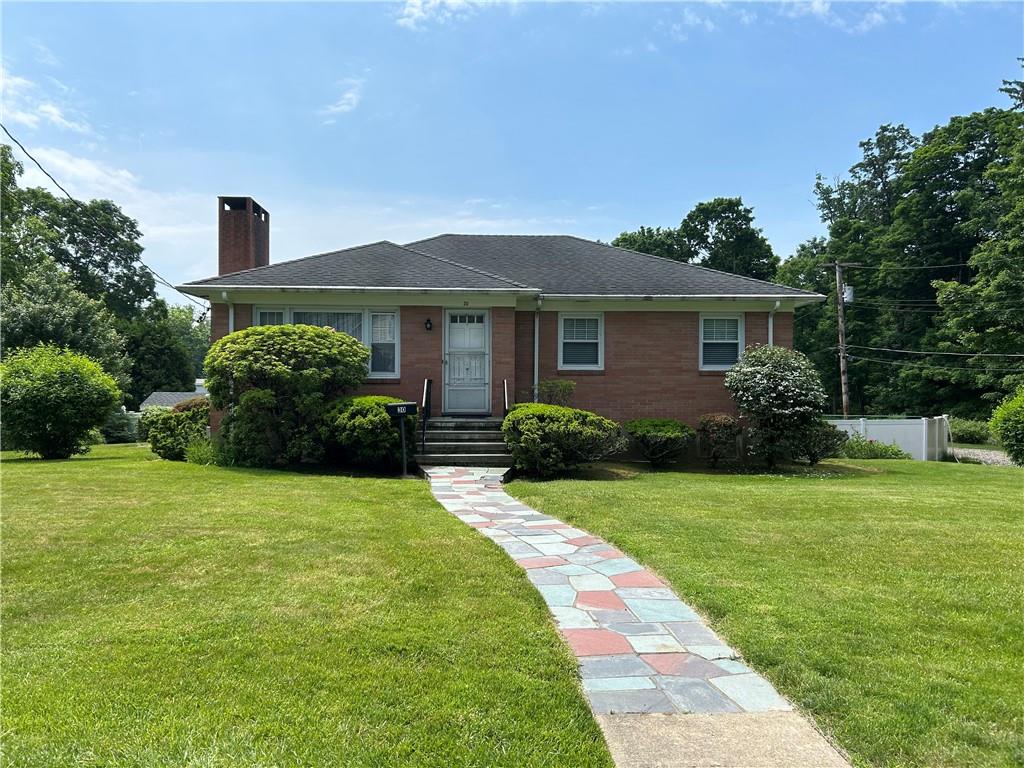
x=169 y=399
x=486 y=315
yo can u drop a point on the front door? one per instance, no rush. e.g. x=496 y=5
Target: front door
x=467 y=361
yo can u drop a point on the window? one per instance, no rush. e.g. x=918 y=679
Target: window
x=270 y=317
x=376 y=328
x=721 y=341
x=580 y=342
x=383 y=339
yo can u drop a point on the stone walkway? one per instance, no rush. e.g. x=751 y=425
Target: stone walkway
x=641 y=649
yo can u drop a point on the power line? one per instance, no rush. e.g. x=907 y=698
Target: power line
x=48 y=175
x=924 y=352
x=940 y=367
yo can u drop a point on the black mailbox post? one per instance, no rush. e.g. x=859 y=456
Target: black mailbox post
x=400 y=411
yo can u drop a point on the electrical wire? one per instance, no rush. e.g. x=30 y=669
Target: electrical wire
x=159 y=278
x=903 y=363
x=924 y=352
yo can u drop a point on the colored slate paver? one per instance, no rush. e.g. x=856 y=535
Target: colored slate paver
x=640 y=648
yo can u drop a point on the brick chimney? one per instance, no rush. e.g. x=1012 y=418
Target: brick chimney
x=243 y=234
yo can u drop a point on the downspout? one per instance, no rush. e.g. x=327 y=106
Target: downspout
x=231 y=312
x=536 y=350
x=771 y=324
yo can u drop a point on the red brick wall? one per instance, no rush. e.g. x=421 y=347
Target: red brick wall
x=219 y=319
x=524 y=357
x=650 y=365
x=783 y=331
x=422 y=351
x=243 y=235
x=503 y=357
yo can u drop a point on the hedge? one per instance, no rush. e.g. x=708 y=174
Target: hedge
x=660 y=441
x=549 y=440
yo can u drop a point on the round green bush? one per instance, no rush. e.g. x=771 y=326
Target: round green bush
x=120 y=427
x=779 y=392
x=718 y=433
x=821 y=440
x=52 y=399
x=358 y=431
x=274 y=382
x=1007 y=425
x=550 y=440
x=660 y=441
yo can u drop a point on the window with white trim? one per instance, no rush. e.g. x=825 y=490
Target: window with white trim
x=580 y=342
x=376 y=328
x=721 y=341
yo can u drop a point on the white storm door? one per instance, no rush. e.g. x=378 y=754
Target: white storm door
x=467 y=361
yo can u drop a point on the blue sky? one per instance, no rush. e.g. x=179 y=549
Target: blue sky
x=360 y=122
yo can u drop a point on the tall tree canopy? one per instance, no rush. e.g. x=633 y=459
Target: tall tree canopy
x=718 y=234
x=936 y=226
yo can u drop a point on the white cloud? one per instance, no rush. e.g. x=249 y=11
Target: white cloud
x=853 y=18
x=44 y=55
x=416 y=13
x=348 y=100
x=27 y=103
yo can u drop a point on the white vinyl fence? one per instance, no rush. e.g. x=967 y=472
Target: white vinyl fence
x=925 y=439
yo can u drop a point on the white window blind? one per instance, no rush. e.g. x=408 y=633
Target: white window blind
x=580 y=342
x=383 y=333
x=720 y=341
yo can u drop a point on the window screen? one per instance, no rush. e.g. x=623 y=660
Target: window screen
x=581 y=342
x=720 y=341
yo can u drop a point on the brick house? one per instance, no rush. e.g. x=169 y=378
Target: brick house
x=488 y=317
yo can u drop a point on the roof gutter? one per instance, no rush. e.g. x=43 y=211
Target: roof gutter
x=209 y=290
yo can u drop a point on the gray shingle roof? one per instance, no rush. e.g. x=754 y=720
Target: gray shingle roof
x=563 y=264
x=548 y=264
x=377 y=265
x=171 y=398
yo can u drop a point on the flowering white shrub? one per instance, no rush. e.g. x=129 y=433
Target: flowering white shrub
x=780 y=394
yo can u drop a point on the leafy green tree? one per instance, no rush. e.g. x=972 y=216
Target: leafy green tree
x=720 y=234
x=24 y=239
x=160 y=358
x=193 y=328
x=657 y=241
x=45 y=308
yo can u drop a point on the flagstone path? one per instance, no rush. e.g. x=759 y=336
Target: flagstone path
x=641 y=649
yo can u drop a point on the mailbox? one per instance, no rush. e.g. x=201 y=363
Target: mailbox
x=400 y=409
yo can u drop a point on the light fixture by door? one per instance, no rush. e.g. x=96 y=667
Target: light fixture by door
x=428 y=324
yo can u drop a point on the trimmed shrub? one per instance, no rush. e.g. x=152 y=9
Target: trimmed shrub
x=201 y=452
x=197 y=403
x=970 y=431
x=821 y=440
x=1007 y=425
x=121 y=427
x=148 y=416
x=358 y=431
x=556 y=391
x=660 y=441
x=860 y=447
x=171 y=433
x=274 y=382
x=549 y=440
x=780 y=394
x=52 y=399
x=718 y=433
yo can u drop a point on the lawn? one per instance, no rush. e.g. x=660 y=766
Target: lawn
x=165 y=614
x=886 y=598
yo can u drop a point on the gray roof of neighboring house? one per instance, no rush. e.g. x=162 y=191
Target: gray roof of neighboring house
x=377 y=265
x=171 y=398
x=549 y=264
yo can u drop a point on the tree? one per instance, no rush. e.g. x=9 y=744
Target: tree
x=1015 y=90
x=160 y=358
x=24 y=239
x=718 y=234
x=45 y=308
x=657 y=241
x=721 y=235
x=52 y=399
x=193 y=328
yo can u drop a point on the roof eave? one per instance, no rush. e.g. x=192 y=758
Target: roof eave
x=206 y=291
x=799 y=300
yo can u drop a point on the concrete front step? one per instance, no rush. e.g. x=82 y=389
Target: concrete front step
x=462 y=436
x=449 y=423
x=465 y=447
x=464 y=460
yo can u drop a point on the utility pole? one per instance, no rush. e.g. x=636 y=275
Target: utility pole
x=844 y=382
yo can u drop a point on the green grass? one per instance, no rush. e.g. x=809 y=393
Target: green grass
x=164 y=614
x=886 y=598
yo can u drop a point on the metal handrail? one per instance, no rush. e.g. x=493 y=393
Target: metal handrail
x=504 y=385
x=425 y=413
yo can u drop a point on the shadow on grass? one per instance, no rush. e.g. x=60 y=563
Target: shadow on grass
x=610 y=471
